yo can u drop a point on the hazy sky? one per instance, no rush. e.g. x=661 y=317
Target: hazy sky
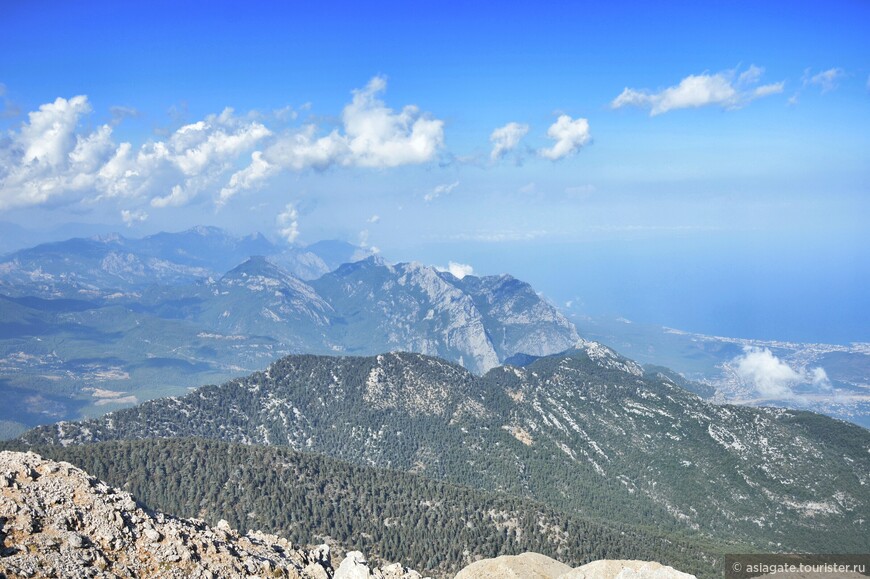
x=729 y=141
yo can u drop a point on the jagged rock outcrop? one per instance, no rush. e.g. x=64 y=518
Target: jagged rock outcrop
x=57 y=521
x=537 y=566
x=355 y=566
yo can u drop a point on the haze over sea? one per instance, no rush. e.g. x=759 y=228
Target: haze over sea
x=749 y=287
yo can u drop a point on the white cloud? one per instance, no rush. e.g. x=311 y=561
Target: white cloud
x=50 y=135
x=129 y=217
x=570 y=135
x=50 y=159
x=819 y=377
x=251 y=177
x=444 y=189
x=363 y=242
x=288 y=222
x=768 y=89
x=772 y=377
x=458 y=270
x=372 y=135
x=726 y=89
x=505 y=139
x=374 y=219
x=177 y=197
x=827 y=80
x=379 y=137
x=47 y=159
x=285 y=114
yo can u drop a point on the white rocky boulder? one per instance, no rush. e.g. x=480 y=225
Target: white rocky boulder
x=625 y=570
x=525 y=566
x=537 y=566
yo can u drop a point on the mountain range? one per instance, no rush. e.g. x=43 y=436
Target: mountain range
x=586 y=432
x=394 y=387
x=93 y=324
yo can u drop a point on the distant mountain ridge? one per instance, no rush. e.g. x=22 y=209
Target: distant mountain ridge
x=90 y=324
x=586 y=431
x=97 y=266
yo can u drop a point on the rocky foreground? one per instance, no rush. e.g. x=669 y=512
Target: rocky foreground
x=58 y=521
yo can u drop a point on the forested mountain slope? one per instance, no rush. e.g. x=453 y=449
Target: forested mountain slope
x=387 y=514
x=586 y=432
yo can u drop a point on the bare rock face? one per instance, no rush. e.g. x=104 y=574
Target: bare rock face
x=625 y=570
x=537 y=566
x=57 y=521
x=525 y=566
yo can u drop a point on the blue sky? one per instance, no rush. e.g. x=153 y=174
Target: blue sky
x=708 y=136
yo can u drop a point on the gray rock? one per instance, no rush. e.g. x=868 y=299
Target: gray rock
x=354 y=566
x=75 y=541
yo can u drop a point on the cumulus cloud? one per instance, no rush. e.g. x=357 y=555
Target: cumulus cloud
x=827 y=80
x=50 y=158
x=303 y=149
x=374 y=219
x=379 y=137
x=371 y=135
x=251 y=177
x=288 y=223
x=130 y=217
x=458 y=270
x=505 y=139
x=726 y=89
x=47 y=159
x=772 y=377
x=444 y=189
x=570 y=135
